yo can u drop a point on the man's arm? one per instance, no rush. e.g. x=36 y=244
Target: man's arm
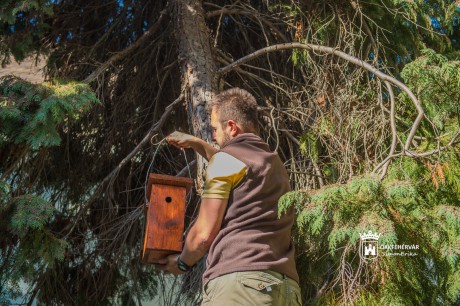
x=200 y=236
x=182 y=140
x=223 y=173
x=204 y=230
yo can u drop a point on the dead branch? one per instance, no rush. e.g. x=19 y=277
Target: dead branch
x=413 y=154
x=347 y=57
x=120 y=55
x=254 y=14
x=156 y=128
x=393 y=128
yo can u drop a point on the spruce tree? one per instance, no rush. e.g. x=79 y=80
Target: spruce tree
x=121 y=75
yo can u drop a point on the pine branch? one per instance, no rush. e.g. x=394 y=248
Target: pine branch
x=252 y=14
x=393 y=128
x=156 y=128
x=347 y=57
x=120 y=55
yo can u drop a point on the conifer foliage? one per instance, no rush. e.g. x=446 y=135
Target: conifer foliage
x=418 y=203
x=33 y=119
x=359 y=98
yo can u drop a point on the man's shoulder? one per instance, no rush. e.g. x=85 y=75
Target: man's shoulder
x=224 y=164
x=224 y=173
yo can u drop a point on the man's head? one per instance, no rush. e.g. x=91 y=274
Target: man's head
x=233 y=112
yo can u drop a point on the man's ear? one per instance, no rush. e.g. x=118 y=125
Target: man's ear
x=234 y=128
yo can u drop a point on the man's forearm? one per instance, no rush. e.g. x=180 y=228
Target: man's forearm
x=204 y=230
x=195 y=247
x=203 y=148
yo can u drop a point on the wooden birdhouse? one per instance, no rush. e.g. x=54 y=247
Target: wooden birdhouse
x=165 y=214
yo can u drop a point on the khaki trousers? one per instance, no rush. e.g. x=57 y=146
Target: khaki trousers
x=252 y=288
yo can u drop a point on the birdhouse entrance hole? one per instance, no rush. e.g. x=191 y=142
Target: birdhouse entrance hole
x=164 y=224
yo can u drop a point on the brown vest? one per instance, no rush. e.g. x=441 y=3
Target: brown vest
x=252 y=237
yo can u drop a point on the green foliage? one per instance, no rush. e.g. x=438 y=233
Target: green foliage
x=33 y=119
x=32 y=213
x=406 y=208
x=414 y=25
x=436 y=81
x=28 y=246
x=338 y=209
x=292 y=198
x=11 y=8
x=418 y=203
x=23 y=26
x=32 y=114
x=309 y=145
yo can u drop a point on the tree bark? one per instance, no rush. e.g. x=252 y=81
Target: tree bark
x=198 y=69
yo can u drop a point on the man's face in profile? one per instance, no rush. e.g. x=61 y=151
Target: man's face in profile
x=220 y=132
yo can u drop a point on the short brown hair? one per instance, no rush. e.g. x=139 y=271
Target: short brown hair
x=238 y=105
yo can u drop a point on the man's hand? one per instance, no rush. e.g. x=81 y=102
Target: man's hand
x=181 y=140
x=169 y=264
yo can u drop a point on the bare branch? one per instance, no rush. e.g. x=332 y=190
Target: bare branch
x=253 y=14
x=120 y=55
x=413 y=154
x=347 y=57
x=125 y=160
x=366 y=28
x=321 y=49
x=189 y=168
x=393 y=128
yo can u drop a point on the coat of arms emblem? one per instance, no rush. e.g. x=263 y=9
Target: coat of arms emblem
x=369 y=245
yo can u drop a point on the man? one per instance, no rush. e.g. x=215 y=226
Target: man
x=250 y=254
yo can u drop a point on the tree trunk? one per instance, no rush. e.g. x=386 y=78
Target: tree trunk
x=198 y=69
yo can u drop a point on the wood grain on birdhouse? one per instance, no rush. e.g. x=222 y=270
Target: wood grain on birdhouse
x=165 y=214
